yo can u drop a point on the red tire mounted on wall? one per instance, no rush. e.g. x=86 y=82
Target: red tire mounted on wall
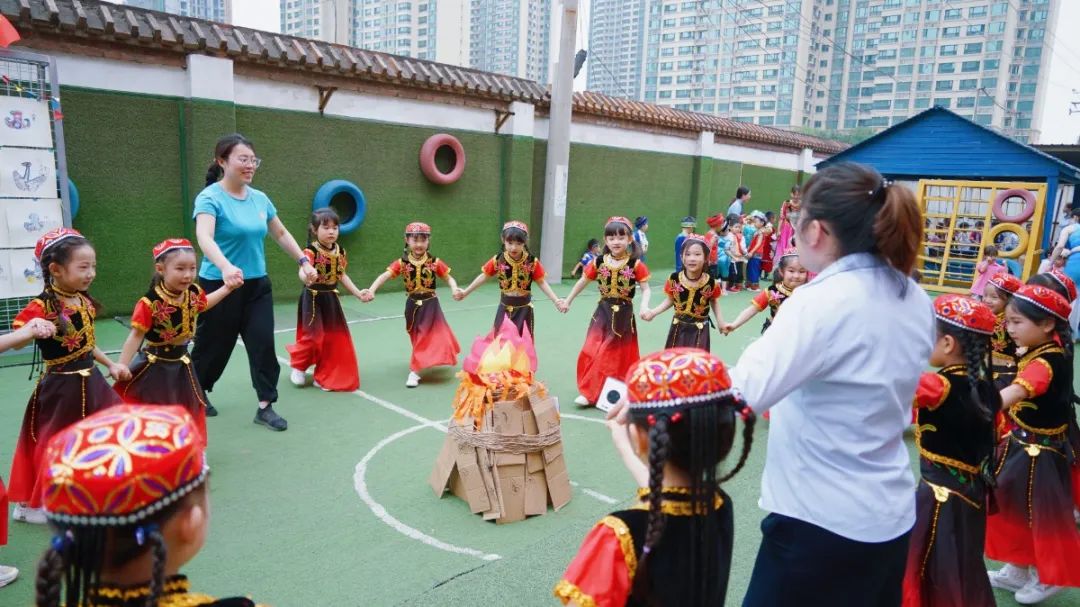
x=427 y=159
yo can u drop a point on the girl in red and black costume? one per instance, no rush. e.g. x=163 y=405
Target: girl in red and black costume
x=954 y=432
x=1060 y=282
x=517 y=269
x=611 y=343
x=322 y=333
x=674 y=546
x=692 y=291
x=998 y=292
x=1034 y=526
x=792 y=276
x=71 y=387
x=433 y=342
x=161 y=372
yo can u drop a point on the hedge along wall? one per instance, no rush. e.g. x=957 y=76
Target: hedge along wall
x=140 y=160
x=123 y=153
x=301 y=151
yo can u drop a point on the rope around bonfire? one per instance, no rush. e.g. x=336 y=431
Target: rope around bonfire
x=504 y=443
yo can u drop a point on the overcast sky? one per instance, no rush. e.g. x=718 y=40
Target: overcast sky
x=1063 y=84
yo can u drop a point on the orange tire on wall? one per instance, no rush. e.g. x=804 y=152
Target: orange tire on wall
x=427 y=159
x=1025 y=214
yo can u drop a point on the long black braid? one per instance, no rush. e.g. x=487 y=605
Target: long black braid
x=749 y=420
x=659 y=443
x=50 y=571
x=157 y=579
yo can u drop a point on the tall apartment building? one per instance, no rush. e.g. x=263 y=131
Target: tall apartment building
x=616 y=41
x=511 y=37
x=329 y=20
x=426 y=29
x=838 y=64
x=213 y=10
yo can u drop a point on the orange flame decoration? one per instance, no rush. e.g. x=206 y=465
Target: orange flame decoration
x=499 y=367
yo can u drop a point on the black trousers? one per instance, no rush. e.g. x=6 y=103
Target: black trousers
x=248 y=313
x=802 y=564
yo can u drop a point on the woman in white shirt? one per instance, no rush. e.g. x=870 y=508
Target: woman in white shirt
x=839 y=369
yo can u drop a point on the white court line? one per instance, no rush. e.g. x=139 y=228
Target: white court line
x=392 y=317
x=360 y=484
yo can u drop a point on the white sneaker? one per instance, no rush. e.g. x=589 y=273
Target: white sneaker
x=413 y=380
x=34 y=516
x=581 y=400
x=1035 y=591
x=1010 y=577
x=7 y=575
x=298 y=377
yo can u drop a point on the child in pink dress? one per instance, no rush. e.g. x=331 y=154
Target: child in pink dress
x=986 y=270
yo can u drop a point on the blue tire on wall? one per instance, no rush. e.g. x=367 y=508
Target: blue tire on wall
x=334 y=188
x=73 y=198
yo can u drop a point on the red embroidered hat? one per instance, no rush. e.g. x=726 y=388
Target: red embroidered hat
x=171 y=244
x=52 y=237
x=695 y=237
x=715 y=221
x=122 y=464
x=1006 y=282
x=620 y=219
x=1063 y=279
x=516 y=224
x=1045 y=299
x=677 y=378
x=417 y=227
x=965 y=313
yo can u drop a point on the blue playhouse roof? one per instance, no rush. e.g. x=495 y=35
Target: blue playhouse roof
x=938 y=143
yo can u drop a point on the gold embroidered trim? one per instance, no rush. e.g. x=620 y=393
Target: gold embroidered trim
x=626 y=542
x=942 y=494
x=1047 y=348
x=566 y=592
x=673 y=508
x=948 y=461
x=1026 y=385
x=1032 y=429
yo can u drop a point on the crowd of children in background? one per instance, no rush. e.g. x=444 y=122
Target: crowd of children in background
x=995 y=428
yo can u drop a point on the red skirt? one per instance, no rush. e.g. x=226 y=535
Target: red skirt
x=162 y=375
x=433 y=343
x=1074 y=448
x=65 y=394
x=1034 y=523
x=945 y=565
x=688 y=332
x=520 y=311
x=610 y=347
x=323 y=340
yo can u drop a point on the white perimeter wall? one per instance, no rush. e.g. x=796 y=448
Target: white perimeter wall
x=213 y=78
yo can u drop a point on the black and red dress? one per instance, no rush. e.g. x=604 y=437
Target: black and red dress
x=602 y=573
x=1003 y=354
x=692 y=301
x=945 y=565
x=161 y=373
x=433 y=343
x=515 y=287
x=771 y=298
x=1034 y=523
x=71 y=388
x=611 y=343
x=322 y=333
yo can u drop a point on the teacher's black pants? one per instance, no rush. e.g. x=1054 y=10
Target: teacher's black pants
x=802 y=564
x=247 y=313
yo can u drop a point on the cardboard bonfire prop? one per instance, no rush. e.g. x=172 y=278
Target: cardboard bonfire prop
x=503 y=452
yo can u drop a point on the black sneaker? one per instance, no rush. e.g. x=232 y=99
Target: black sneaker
x=210 y=410
x=269 y=418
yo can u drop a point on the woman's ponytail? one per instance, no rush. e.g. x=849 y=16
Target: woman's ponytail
x=214 y=173
x=898 y=228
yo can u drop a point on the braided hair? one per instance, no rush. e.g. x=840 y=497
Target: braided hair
x=695 y=440
x=985 y=399
x=78 y=555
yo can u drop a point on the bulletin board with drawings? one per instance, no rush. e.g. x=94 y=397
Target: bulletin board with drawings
x=33 y=173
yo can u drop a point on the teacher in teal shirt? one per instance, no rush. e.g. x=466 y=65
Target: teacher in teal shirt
x=232 y=220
